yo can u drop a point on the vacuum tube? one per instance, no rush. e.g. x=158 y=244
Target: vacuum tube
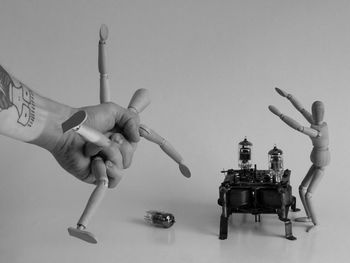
x=245 y=154
x=159 y=218
x=276 y=164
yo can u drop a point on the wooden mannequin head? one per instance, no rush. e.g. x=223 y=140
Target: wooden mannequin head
x=317 y=112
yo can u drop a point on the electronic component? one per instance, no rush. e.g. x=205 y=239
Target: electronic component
x=159 y=218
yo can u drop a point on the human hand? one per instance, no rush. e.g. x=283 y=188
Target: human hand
x=74 y=154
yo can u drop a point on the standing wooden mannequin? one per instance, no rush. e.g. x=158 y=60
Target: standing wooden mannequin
x=320 y=155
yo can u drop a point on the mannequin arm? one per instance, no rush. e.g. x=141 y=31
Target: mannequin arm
x=293 y=123
x=307 y=115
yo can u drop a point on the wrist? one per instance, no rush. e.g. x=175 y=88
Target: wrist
x=27 y=116
x=50 y=115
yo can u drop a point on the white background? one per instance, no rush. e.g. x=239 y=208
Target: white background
x=211 y=67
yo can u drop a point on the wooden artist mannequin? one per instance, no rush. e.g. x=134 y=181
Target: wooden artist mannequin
x=320 y=155
x=139 y=101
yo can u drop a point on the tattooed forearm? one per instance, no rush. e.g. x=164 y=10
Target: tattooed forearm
x=27 y=116
x=18 y=96
x=5 y=80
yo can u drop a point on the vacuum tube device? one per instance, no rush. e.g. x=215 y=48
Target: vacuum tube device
x=275 y=157
x=245 y=154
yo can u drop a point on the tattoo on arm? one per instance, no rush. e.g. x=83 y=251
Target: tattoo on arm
x=19 y=97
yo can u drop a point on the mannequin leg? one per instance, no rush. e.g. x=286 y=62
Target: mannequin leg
x=317 y=177
x=302 y=193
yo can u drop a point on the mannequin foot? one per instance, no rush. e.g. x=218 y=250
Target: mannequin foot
x=291 y=237
x=82 y=234
x=311 y=228
x=303 y=219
